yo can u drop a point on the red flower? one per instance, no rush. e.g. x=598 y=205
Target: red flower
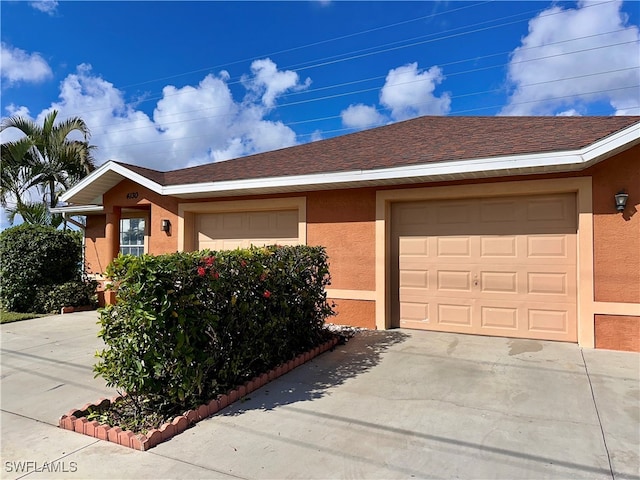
x=208 y=261
x=201 y=271
x=263 y=277
x=266 y=294
x=243 y=263
x=215 y=275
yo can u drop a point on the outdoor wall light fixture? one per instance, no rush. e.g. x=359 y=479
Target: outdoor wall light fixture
x=166 y=225
x=621 y=200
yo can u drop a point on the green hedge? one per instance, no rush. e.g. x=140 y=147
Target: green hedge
x=187 y=326
x=36 y=262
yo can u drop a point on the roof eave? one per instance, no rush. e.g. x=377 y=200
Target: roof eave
x=90 y=189
x=465 y=169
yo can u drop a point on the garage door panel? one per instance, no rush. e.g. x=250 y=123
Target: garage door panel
x=499 y=246
x=454 y=314
x=454 y=280
x=455 y=213
x=505 y=267
x=549 y=246
x=504 y=282
x=414 y=278
x=414 y=245
x=454 y=247
x=502 y=318
x=415 y=312
x=231 y=230
x=499 y=211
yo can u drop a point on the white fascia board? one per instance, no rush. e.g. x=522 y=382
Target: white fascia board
x=564 y=160
x=78 y=209
x=570 y=160
x=612 y=143
x=106 y=168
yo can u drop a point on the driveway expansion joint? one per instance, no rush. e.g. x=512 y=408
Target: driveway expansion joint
x=76 y=419
x=595 y=405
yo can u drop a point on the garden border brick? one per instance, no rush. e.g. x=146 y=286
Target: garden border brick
x=75 y=419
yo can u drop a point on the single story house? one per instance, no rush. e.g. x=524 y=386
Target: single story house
x=502 y=226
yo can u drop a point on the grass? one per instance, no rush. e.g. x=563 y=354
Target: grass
x=8 y=317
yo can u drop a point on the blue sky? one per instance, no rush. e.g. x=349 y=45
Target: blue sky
x=174 y=84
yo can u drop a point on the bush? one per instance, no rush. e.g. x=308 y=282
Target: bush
x=35 y=258
x=75 y=293
x=188 y=326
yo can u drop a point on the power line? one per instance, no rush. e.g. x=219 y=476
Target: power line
x=344 y=94
x=313 y=44
x=236 y=81
x=379 y=110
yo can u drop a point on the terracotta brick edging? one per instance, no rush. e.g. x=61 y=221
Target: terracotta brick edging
x=75 y=420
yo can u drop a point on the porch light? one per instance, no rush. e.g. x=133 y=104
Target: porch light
x=621 y=200
x=166 y=225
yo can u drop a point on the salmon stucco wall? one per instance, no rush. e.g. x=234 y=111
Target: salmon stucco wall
x=128 y=195
x=95 y=244
x=357 y=313
x=343 y=221
x=617 y=235
x=618 y=332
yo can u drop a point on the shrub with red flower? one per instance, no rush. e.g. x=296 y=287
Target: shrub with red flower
x=201 y=271
x=266 y=294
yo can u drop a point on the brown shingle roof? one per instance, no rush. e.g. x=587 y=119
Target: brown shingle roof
x=412 y=142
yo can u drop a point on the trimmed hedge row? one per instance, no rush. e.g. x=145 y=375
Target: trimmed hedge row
x=188 y=326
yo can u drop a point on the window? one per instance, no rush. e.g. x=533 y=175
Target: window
x=132 y=232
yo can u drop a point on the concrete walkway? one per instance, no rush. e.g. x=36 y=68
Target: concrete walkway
x=397 y=404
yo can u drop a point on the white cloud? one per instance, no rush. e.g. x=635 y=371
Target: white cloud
x=21 y=66
x=408 y=92
x=592 y=75
x=189 y=125
x=45 y=6
x=268 y=82
x=572 y=112
x=361 y=116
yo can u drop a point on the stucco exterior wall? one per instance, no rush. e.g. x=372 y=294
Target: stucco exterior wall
x=130 y=195
x=618 y=332
x=617 y=235
x=95 y=244
x=357 y=313
x=343 y=221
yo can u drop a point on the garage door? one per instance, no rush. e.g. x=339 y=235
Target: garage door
x=491 y=266
x=227 y=231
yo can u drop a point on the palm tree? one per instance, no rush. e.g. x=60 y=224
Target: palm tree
x=45 y=158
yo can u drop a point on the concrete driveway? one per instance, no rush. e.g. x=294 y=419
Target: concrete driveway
x=398 y=404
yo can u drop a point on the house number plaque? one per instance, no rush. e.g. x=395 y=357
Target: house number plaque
x=131 y=195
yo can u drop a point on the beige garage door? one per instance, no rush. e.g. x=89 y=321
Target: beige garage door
x=492 y=266
x=227 y=231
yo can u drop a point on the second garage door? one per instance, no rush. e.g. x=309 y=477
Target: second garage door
x=227 y=231
x=491 y=266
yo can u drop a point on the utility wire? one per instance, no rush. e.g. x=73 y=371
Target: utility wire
x=349 y=93
x=385 y=109
x=324 y=63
